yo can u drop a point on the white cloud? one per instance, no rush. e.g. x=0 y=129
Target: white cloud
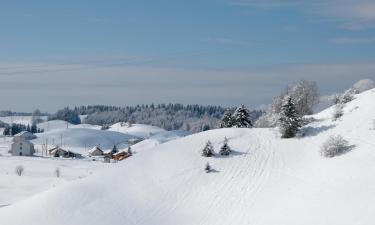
x=123 y=85
x=226 y=41
x=350 y=14
x=352 y=40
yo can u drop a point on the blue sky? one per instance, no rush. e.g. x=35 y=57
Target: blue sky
x=201 y=37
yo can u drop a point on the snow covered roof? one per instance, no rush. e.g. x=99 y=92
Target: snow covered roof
x=107 y=151
x=96 y=148
x=22 y=133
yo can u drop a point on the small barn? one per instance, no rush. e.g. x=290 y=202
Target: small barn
x=22 y=147
x=59 y=152
x=120 y=156
x=96 y=151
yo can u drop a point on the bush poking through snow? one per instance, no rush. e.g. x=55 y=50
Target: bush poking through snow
x=346 y=97
x=208 y=150
x=207 y=168
x=335 y=145
x=225 y=149
x=57 y=172
x=338 y=111
x=19 y=170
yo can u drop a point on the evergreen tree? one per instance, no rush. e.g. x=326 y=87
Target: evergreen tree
x=227 y=119
x=225 y=149
x=208 y=150
x=130 y=151
x=33 y=128
x=241 y=117
x=28 y=129
x=114 y=149
x=290 y=121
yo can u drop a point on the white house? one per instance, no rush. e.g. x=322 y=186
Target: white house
x=96 y=151
x=22 y=147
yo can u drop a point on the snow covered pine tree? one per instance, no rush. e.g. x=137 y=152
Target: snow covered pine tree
x=208 y=150
x=225 y=149
x=290 y=121
x=241 y=117
x=227 y=119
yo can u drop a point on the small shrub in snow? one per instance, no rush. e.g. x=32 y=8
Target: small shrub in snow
x=335 y=145
x=225 y=149
x=338 y=111
x=19 y=170
x=57 y=172
x=208 y=150
x=346 y=97
x=207 y=168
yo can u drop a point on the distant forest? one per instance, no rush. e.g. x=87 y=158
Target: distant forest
x=194 y=118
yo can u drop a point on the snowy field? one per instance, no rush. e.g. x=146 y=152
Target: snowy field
x=40 y=172
x=266 y=181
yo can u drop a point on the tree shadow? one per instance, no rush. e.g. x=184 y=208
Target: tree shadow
x=213 y=171
x=314 y=131
x=233 y=153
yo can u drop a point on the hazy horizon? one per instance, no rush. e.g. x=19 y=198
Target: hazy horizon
x=216 y=52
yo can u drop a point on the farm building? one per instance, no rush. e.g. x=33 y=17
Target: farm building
x=59 y=152
x=21 y=147
x=96 y=151
x=120 y=156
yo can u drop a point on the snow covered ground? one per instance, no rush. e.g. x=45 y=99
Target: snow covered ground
x=19 y=119
x=39 y=172
x=81 y=140
x=60 y=124
x=139 y=130
x=266 y=181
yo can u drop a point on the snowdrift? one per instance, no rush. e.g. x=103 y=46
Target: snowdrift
x=266 y=181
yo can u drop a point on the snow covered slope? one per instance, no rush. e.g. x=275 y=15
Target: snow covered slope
x=139 y=130
x=80 y=139
x=60 y=124
x=19 y=119
x=266 y=181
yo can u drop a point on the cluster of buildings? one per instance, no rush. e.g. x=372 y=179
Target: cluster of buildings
x=22 y=146
x=110 y=154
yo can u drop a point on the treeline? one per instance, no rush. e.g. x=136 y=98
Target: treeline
x=15 y=128
x=10 y=113
x=194 y=118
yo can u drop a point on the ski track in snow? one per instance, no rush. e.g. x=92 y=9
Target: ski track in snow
x=265 y=181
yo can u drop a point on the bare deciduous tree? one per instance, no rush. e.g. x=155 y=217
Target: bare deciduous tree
x=19 y=170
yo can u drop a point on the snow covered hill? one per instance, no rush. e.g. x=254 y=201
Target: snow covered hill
x=266 y=181
x=19 y=119
x=81 y=139
x=139 y=130
x=60 y=124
